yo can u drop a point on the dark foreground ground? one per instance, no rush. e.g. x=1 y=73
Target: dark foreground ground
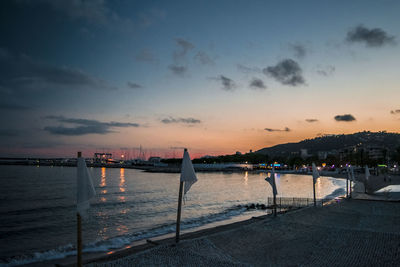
x=348 y=233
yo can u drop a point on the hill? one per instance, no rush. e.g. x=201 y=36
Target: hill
x=389 y=141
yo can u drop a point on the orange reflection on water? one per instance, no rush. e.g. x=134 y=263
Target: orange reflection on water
x=103 y=199
x=122 y=229
x=103 y=177
x=104 y=191
x=122 y=180
x=318 y=187
x=124 y=211
x=246 y=178
x=121 y=198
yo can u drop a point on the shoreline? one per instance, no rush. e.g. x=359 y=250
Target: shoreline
x=165 y=239
x=174 y=169
x=187 y=234
x=359 y=230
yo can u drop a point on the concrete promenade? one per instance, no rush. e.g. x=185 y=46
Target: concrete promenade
x=348 y=233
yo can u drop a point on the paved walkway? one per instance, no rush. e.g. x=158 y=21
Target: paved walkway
x=348 y=233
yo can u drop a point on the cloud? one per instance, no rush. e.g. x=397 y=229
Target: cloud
x=4 y=53
x=247 y=70
x=227 y=83
x=177 y=69
x=345 y=117
x=134 y=85
x=149 y=17
x=8 y=132
x=180 y=120
x=84 y=126
x=177 y=147
x=146 y=55
x=185 y=45
x=204 y=58
x=97 y=13
x=396 y=111
x=311 y=120
x=179 y=66
x=79 y=130
x=326 y=71
x=286 y=129
x=287 y=72
x=257 y=84
x=299 y=50
x=371 y=37
x=16 y=107
x=21 y=72
x=184 y=48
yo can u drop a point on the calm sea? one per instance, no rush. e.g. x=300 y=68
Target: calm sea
x=38 y=219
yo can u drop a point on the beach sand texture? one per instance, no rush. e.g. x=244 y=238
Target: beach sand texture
x=347 y=233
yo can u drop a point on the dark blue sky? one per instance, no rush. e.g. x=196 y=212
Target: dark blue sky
x=209 y=75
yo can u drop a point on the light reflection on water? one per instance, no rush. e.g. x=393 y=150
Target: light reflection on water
x=122 y=180
x=140 y=200
x=246 y=178
x=103 y=177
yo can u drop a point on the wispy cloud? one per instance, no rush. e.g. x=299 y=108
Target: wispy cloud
x=227 y=83
x=95 y=12
x=8 y=132
x=286 y=129
x=247 y=70
x=150 y=17
x=21 y=72
x=311 y=120
x=345 y=117
x=133 y=85
x=204 y=58
x=326 y=70
x=177 y=69
x=375 y=37
x=396 y=111
x=256 y=83
x=146 y=55
x=84 y=126
x=189 y=120
x=15 y=107
x=184 y=47
x=287 y=72
x=299 y=50
x=177 y=147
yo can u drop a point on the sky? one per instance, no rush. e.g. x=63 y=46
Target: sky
x=213 y=76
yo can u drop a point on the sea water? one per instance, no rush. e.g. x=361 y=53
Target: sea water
x=38 y=206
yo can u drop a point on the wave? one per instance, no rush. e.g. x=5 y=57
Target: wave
x=123 y=240
x=337 y=193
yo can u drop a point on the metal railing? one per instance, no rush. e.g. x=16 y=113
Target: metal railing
x=296 y=202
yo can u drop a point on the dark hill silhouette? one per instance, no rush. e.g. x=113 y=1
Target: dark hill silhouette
x=390 y=141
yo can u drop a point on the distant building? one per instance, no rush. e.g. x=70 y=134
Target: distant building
x=208 y=157
x=322 y=154
x=155 y=159
x=304 y=153
x=102 y=157
x=346 y=152
x=375 y=152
